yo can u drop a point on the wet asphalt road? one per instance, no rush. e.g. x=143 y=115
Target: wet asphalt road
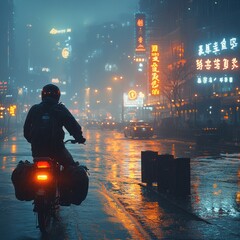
x=118 y=206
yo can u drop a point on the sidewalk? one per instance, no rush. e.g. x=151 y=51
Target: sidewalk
x=214 y=198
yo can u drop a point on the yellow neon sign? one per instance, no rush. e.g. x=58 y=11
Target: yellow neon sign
x=65 y=53
x=54 y=31
x=132 y=95
x=154 y=71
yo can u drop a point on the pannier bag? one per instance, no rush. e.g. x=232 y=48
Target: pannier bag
x=73 y=185
x=22 y=179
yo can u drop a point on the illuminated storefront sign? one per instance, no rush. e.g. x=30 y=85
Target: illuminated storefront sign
x=154 y=71
x=217 y=64
x=65 y=53
x=205 y=79
x=140 y=32
x=132 y=95
x=3 y=86
x=54 y=31
x=218 y=61
x=217 y=47
x=133 y=99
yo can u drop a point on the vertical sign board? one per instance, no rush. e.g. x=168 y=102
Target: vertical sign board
x=140 y=33
x=154 y=81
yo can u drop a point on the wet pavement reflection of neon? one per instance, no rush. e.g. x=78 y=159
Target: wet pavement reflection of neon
x=115 y=164
x=210 y=198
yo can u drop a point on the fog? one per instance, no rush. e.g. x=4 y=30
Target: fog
x=72 y=13
x=36 y=48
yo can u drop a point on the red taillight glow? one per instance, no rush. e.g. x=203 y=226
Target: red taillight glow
x=43 y=164
x=42 y=177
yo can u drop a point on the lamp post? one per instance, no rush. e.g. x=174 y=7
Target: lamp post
x=195 y=109
x=120 y=78
x=122 y=112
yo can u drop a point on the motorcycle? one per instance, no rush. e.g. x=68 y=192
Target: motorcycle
x=49 y=186
x=46 y=175
x=46 y=199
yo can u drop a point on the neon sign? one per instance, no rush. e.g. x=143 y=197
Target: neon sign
x=136 y=101
x=154 y=71
x=140 y=33
x=217 y=61
x=217 y=47
x=222 y=79
x=132 y=95
x=65 y=53
x=3 y=86
x=217 y=64
x=54 y=31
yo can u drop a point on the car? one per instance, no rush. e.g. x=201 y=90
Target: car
x=139 y=130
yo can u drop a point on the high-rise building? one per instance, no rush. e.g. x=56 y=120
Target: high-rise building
x=165 y=16
x=6 y=45
x=196 y=31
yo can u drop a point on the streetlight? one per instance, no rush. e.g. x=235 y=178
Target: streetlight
x=120 y=78
x=195 y=109
x=109 y=94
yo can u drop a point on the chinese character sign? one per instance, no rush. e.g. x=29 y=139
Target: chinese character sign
x=154 y=80
x=140 y=34
x=217 y=64
x=218 y=61
x=218 y=47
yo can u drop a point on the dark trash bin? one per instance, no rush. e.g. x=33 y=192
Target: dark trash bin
x=183 y=177
x=148 y=166
x=165 y=172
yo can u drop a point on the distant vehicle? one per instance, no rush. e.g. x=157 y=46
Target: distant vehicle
x=92 y=124
x=138 y=130
x=108 y=125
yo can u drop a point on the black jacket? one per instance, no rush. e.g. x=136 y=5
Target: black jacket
x=63 y=118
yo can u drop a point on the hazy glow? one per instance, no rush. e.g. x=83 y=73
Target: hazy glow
x=71 y=13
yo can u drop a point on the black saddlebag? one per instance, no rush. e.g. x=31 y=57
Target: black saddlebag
x=22 y=179
x=74 y=184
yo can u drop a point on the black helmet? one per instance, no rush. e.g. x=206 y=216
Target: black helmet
x=52 y=91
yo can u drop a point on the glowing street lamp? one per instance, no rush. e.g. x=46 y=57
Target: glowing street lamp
x=120 y=78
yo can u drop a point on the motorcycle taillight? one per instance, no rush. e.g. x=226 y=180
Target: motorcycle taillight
x=43 y=164
x=43 y=173
x=42 y=177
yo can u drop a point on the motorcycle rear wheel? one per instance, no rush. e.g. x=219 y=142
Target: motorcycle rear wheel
x=44 y=220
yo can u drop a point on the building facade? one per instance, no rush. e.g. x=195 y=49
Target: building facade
x=198 y=58
x=6 y=45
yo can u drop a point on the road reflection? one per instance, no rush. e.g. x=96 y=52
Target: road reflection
x=215 y=177
x=115 y=163
x=216 y=186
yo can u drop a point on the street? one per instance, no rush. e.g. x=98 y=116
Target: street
x=118 y=206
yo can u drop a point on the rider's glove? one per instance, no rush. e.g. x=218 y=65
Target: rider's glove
x=81 y=140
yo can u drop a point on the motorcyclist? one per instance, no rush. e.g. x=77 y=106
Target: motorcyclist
x=51 y=143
